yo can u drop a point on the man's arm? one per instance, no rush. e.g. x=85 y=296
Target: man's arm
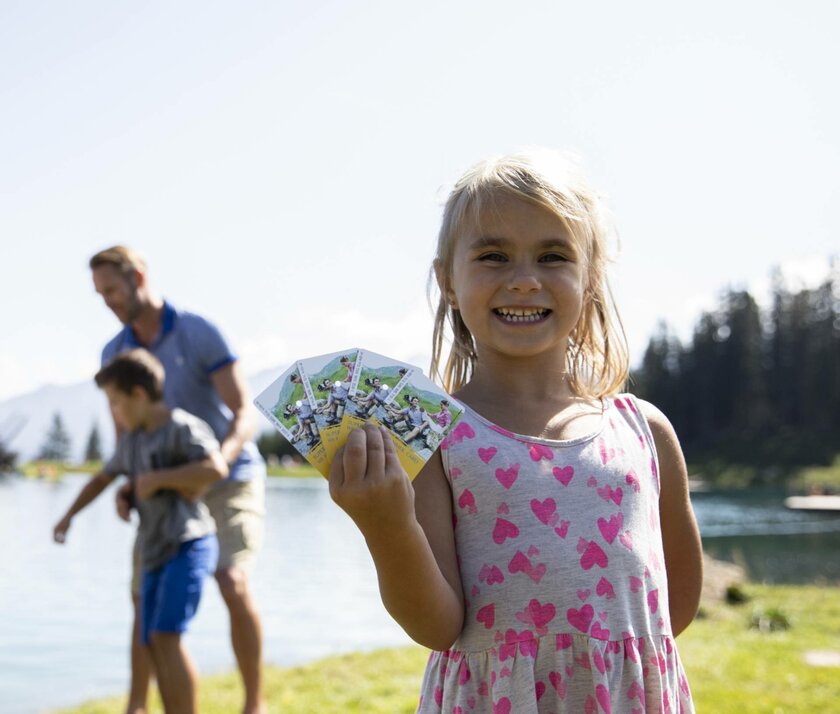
x=96 y=485
x=190 y=480
x=233 y=391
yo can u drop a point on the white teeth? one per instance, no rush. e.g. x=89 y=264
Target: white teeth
x=520 y=315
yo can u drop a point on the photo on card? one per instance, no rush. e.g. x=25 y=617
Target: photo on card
x=329 y=378
x=287 y=404
x=374 y=379
x=419 y=416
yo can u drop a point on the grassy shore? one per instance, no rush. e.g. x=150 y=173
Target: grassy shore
x=735 y=664
x=52 y=470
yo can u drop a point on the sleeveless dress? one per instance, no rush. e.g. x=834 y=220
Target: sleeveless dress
x=561 y=560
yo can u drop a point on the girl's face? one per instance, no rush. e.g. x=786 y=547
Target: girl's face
x=518 y=281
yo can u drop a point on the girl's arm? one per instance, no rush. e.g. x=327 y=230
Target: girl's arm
x=680 y=535
x=408 y=531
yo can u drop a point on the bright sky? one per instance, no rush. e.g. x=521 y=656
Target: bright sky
x=282 y=165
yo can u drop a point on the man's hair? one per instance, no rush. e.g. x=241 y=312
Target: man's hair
x=135 y=368
x=123 y=258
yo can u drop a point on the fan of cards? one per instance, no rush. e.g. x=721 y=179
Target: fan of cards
x=318 y=401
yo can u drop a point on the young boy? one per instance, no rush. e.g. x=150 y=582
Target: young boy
x=171 y=458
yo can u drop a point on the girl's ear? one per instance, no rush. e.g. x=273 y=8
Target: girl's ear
x=443 y=285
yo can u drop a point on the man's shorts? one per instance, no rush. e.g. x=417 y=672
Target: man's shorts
x=169 y=596
x=238 y=507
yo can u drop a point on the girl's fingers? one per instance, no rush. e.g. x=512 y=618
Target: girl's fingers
x=375 y=451
x=355 y=459
x=389 y=451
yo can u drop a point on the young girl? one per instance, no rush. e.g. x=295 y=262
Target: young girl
x=548 y=552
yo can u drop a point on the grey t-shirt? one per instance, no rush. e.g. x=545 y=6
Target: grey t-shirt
x=167 y=519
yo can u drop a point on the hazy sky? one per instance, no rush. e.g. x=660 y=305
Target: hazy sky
x=282 y=165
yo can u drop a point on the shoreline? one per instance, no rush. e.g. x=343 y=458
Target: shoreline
x=726 y=656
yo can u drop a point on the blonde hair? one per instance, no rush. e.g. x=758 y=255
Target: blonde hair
x=123 y=258
x=597 y=360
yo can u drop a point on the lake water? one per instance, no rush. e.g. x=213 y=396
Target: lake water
x=65 y=613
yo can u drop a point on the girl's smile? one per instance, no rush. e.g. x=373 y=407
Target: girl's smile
x=521 y=315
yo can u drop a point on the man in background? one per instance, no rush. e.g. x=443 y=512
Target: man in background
x=204 y=378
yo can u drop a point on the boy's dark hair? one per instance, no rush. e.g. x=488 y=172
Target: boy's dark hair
x=135 y=368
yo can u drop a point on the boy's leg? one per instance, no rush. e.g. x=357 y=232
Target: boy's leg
x=141 y=662
x=239 y=509
x=141 y=666
x=170 y=600
x=177 y=675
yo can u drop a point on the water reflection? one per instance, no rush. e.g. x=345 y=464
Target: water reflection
x=65 y=610
x=772 y=543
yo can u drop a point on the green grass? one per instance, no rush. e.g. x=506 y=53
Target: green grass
x=55 y=469
x=41 y=468
x=732 y=668
x=383 y=682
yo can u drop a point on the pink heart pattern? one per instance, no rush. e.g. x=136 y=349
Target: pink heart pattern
x=545 y=533
x=563 y=529
x=486 y=455
x=507 y=477
x=540 y=451
x=543 y=510
x=491 y=574
x=564 y=475
x=502 y=706
x=609 y=528
x=504 y=529
x=487 y=615
x=461 y=431
x=581 y=619
x=605 y=588
x=466 y=501
x=537 y=615
x=557 y=682
x=608 y=493
x=593 y=555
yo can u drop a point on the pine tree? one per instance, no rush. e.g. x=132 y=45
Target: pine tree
x=10 y=427
x=93 y=450
x=57 y=442
x=7 y=458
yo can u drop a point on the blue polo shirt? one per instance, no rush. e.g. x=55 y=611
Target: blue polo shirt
x=191 y=349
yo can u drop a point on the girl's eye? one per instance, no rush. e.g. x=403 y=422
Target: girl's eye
x=553 y=257
x=492 y=257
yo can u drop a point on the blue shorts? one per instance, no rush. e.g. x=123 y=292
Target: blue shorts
x=169 y=596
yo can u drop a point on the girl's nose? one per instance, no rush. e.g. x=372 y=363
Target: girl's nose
x=524 y=280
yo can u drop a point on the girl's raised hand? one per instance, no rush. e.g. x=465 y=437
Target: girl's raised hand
x=368 y=482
